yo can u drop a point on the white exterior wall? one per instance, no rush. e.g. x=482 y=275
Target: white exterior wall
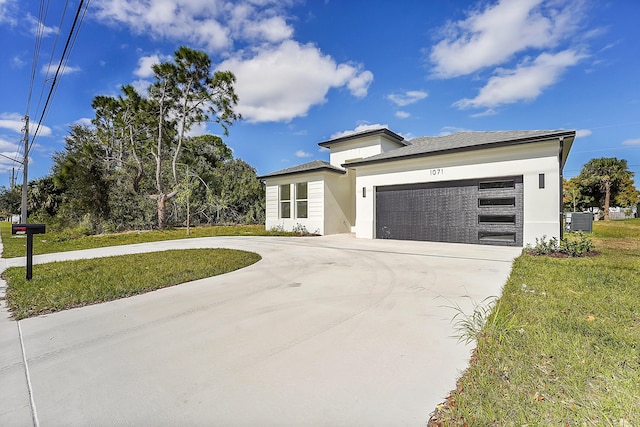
x=541 y=210
x=331 y=203
x=314 y=222
x=339 y=202
x=360 y=148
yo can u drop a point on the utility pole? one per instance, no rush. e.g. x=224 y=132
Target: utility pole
x=13 y=178
x=25 y=162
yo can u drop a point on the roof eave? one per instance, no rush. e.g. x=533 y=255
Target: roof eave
x=321 y=169
x=519 y=141
x=394 y=136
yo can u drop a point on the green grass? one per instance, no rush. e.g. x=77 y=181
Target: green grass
x=564 y=348
x=52 y=242
x=63 y=285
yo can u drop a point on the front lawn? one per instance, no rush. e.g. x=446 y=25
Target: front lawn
x=62 y=285
x=564 y=347
x=52 y=242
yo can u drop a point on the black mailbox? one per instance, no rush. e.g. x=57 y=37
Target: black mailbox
x=28 y=228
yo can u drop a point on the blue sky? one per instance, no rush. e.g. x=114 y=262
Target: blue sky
x=311 y=70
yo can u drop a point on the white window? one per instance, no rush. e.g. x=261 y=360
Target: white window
x=285 y=201
x=301 y=200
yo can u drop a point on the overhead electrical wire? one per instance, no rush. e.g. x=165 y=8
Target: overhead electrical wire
x=40 y=27
x=64 y=59
x=52 y=55
x=40 y=30
x=62 y=64
x=42 y=16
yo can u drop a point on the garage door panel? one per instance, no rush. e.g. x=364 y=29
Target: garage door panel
x=487 y=211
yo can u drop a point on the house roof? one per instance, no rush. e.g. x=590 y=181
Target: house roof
x=382 y=131
x=314 y=166
x=462 y=141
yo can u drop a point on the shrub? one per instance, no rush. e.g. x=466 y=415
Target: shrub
x=578 y=246
x=575 y=246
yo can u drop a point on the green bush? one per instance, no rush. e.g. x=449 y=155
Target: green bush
x=574 y=246
x=577 y=246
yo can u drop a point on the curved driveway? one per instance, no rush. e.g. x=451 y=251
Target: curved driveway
x=332 y=331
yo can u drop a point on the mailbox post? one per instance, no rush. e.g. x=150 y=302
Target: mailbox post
x=29 y=230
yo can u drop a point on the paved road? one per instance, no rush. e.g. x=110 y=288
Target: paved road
x=332 y=331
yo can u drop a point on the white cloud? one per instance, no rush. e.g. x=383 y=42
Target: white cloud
x=493 y=35
x=210 y=24
x=402 y=114
x=197 y=129
x=282 y=82
x=407 y=98
x=302 y=154
x=359 y=84
x=486 y=113
x=83 y=122
x=50 y=70
x=38 y=28
x=360 y=128
x=581 y=133
x=17 y=62
x=274 y=29
x=448 y=130
x=7 y=146
x=141 y=86
x=144 y=70
x=15 y=122
x=524 y=83
x=632 y=142
x=8 y=11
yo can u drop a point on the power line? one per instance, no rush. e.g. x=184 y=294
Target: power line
x=53 y=51
x=64 y=58
x=42 y=16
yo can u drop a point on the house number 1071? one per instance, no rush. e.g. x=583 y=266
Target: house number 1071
x=438 y=171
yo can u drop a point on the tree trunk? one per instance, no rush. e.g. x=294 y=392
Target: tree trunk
x=607 y=199
x=162 y=211
x=188 y=215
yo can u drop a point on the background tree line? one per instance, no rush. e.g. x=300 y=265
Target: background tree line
x=136 y=167
x=602 y=183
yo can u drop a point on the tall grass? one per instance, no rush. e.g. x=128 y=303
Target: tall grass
x=574 y=359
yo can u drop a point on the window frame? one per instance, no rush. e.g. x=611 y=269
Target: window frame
x=302 y=201
x=282 y=202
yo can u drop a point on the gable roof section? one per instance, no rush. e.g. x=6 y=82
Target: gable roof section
x=382 y=131
x=314 y=166
x=462 y=141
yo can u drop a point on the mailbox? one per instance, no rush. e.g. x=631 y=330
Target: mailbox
x=28 y=228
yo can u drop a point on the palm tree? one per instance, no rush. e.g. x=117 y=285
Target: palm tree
x=606 y=173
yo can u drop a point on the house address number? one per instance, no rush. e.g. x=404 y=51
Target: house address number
x=437 y=171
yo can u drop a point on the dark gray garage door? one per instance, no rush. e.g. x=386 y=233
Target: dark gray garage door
x=486 y=211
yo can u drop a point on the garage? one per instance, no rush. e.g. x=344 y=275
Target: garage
x=480 y=211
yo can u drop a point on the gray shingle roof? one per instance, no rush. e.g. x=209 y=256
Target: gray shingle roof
x=313 y=166
x=462 y=141
x=380 y=131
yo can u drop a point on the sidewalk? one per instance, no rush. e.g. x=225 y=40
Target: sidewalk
x=15 y=406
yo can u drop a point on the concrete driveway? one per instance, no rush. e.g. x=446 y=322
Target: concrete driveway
x=324 y=331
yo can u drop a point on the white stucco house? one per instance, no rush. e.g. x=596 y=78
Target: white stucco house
x=500 y=188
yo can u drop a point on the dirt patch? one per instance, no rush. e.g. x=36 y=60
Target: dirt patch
x=620 y=244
